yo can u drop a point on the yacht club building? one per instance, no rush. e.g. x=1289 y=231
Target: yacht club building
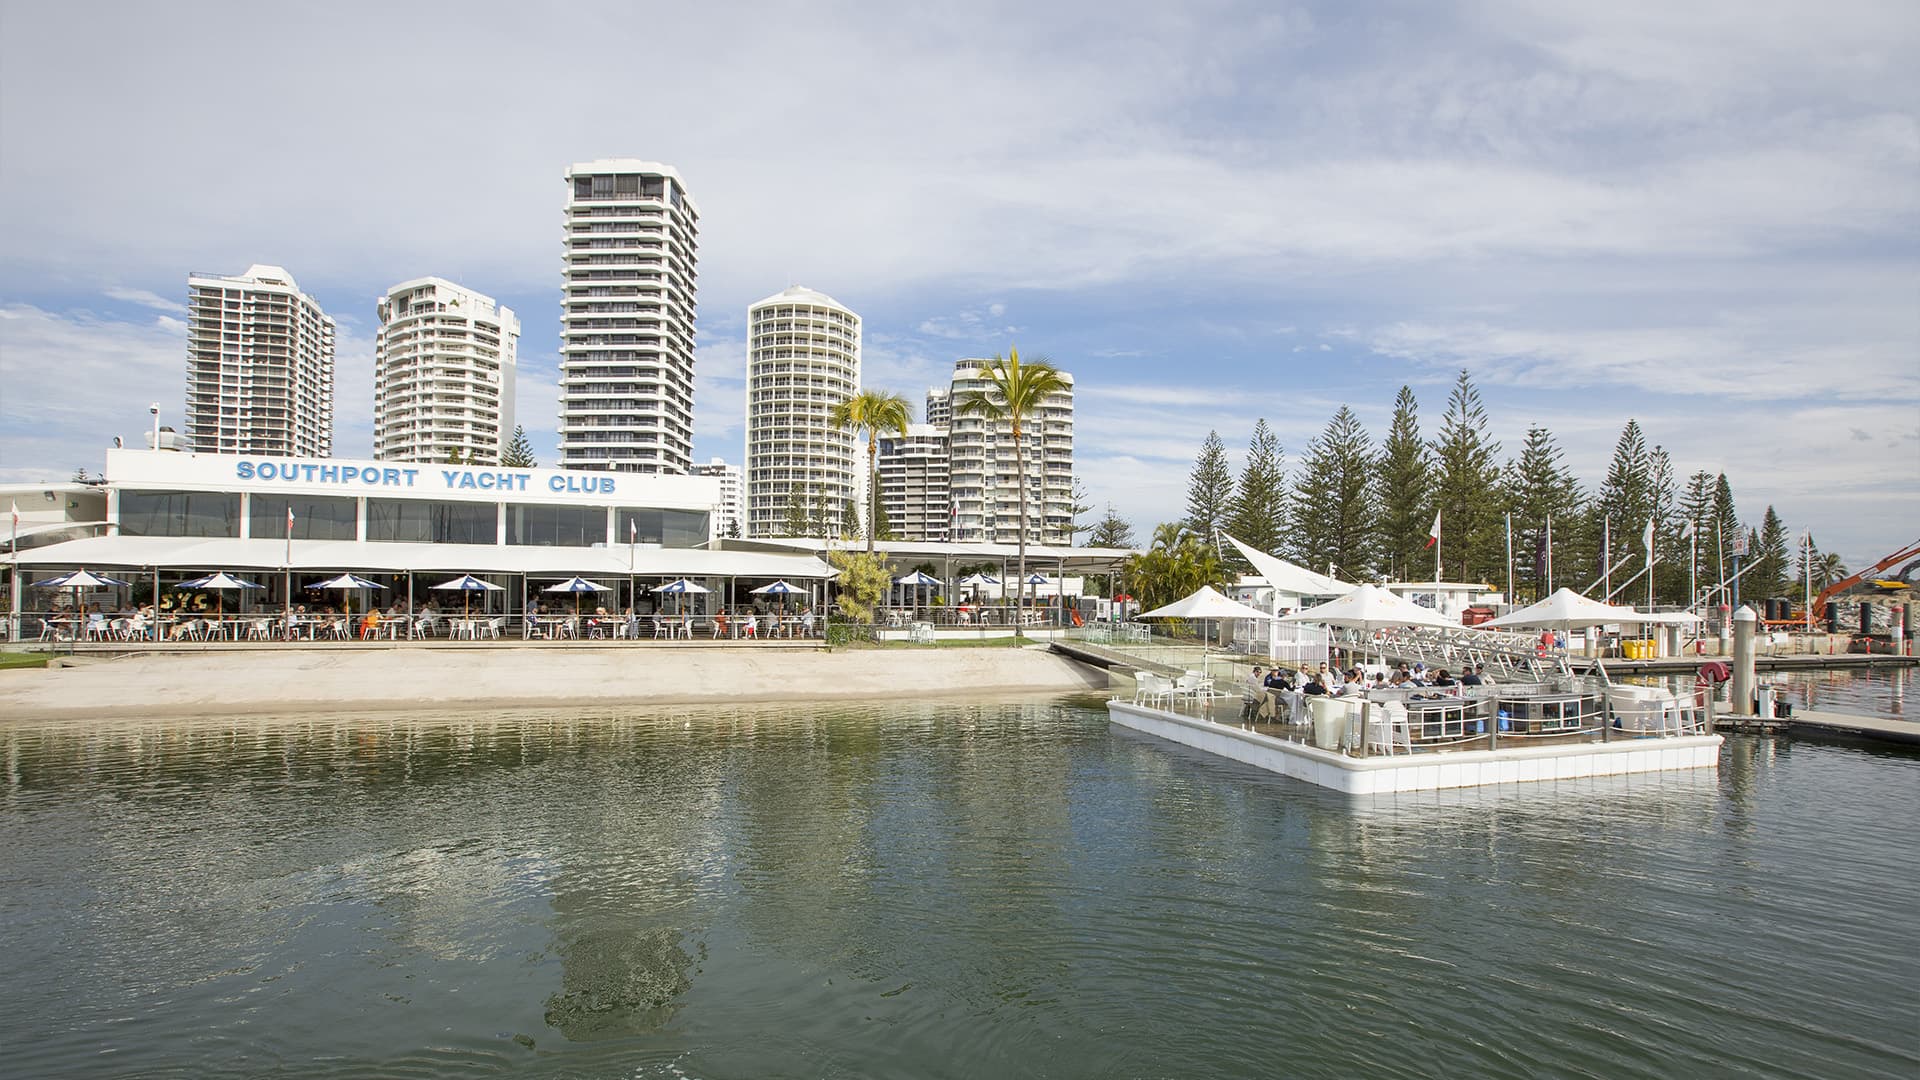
x=171 y=516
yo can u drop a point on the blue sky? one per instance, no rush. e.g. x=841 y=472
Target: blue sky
x=1703 y=215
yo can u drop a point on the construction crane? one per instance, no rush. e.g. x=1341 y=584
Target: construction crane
x=1820 y=602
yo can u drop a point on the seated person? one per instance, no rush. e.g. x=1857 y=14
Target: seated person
x=1400 y=678
x=1278 y=679
x=1470 y=677
x=1443 y=679
x=1480 y=673
x=1314 y=687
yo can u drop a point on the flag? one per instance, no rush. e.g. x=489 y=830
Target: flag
x=289 y=519
x=1433 y=534
x=1646 y=537
x=633 y=530
x=16 y=514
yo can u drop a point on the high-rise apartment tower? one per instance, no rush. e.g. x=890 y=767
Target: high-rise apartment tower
x=259 y=366
x=803 y=358
x=984 y=483
x=443 y=374
x=626 y=318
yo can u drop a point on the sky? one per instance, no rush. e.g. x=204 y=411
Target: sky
x=1704 y=216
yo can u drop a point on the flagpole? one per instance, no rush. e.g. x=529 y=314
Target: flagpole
x=1606 y=553
x=1693 y=565
x=1549 y=589
x=1509 y=556
x=13 y=552
x=286 y=618
x=1650 y=560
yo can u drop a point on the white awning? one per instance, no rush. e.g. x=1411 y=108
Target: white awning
x=191 y=553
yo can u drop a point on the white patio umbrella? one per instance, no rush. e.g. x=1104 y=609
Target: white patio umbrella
x=778 y=588
x=347 y=584
x=1205 y=603
x=220 y=581
x=1567 y=609
x=466 y=585
x=1370 y=607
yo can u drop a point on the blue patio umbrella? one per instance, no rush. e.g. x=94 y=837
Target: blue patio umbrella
x=346 y=584
x=681 y=587
x=220 y=581
x=917 y=579
x=576 y=586
x=77 y=580
x=778 y=588
x=466 y=585
x=80 y=579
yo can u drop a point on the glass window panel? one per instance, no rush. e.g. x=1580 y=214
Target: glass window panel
x=410 y=521
x=179 y=513
x=666 y=528
x=556 y=526
x=316 y=517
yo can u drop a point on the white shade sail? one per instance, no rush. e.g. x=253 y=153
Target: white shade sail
x=1205 y=604
x=1286 y=577
x=1370 y=607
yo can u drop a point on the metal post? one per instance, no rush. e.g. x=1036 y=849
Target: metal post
x=1743 y=634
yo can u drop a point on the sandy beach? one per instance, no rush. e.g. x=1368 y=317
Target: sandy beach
x=320 y=680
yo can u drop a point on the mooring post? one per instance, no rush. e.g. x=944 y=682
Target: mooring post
x=1743 y=627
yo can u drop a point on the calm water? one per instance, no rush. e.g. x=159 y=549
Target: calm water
x=1875 y=692
x=940 y=889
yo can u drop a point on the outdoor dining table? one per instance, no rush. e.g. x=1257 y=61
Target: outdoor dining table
x=1289 y=706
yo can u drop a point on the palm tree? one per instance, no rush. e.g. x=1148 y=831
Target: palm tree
x=873 y=411
x=1014 y=392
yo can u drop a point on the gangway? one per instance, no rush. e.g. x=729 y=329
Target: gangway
x=1508 y=655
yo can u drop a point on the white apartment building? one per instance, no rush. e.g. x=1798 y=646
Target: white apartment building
x=627 y=318
x=444 y=363
x=803 y=358
x=913 y=483
x=732 y=520
x=940 y=407
x=259 y=366
x=983 y=480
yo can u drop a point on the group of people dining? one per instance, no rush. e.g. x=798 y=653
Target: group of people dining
x=1325 y=681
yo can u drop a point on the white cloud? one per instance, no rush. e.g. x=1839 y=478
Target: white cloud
x=147 y=299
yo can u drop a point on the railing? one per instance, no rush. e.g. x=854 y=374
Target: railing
x=1434 y=720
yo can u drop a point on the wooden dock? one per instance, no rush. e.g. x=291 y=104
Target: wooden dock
x=1844 y=727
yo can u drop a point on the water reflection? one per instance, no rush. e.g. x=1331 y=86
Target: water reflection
x=922 y=888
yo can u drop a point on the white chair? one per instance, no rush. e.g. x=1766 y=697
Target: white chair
x=1152 y=690
x=660 y=628
x=495 y=625
x=1386 y=727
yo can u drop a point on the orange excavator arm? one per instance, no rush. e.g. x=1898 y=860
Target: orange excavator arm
x=1820 y=602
